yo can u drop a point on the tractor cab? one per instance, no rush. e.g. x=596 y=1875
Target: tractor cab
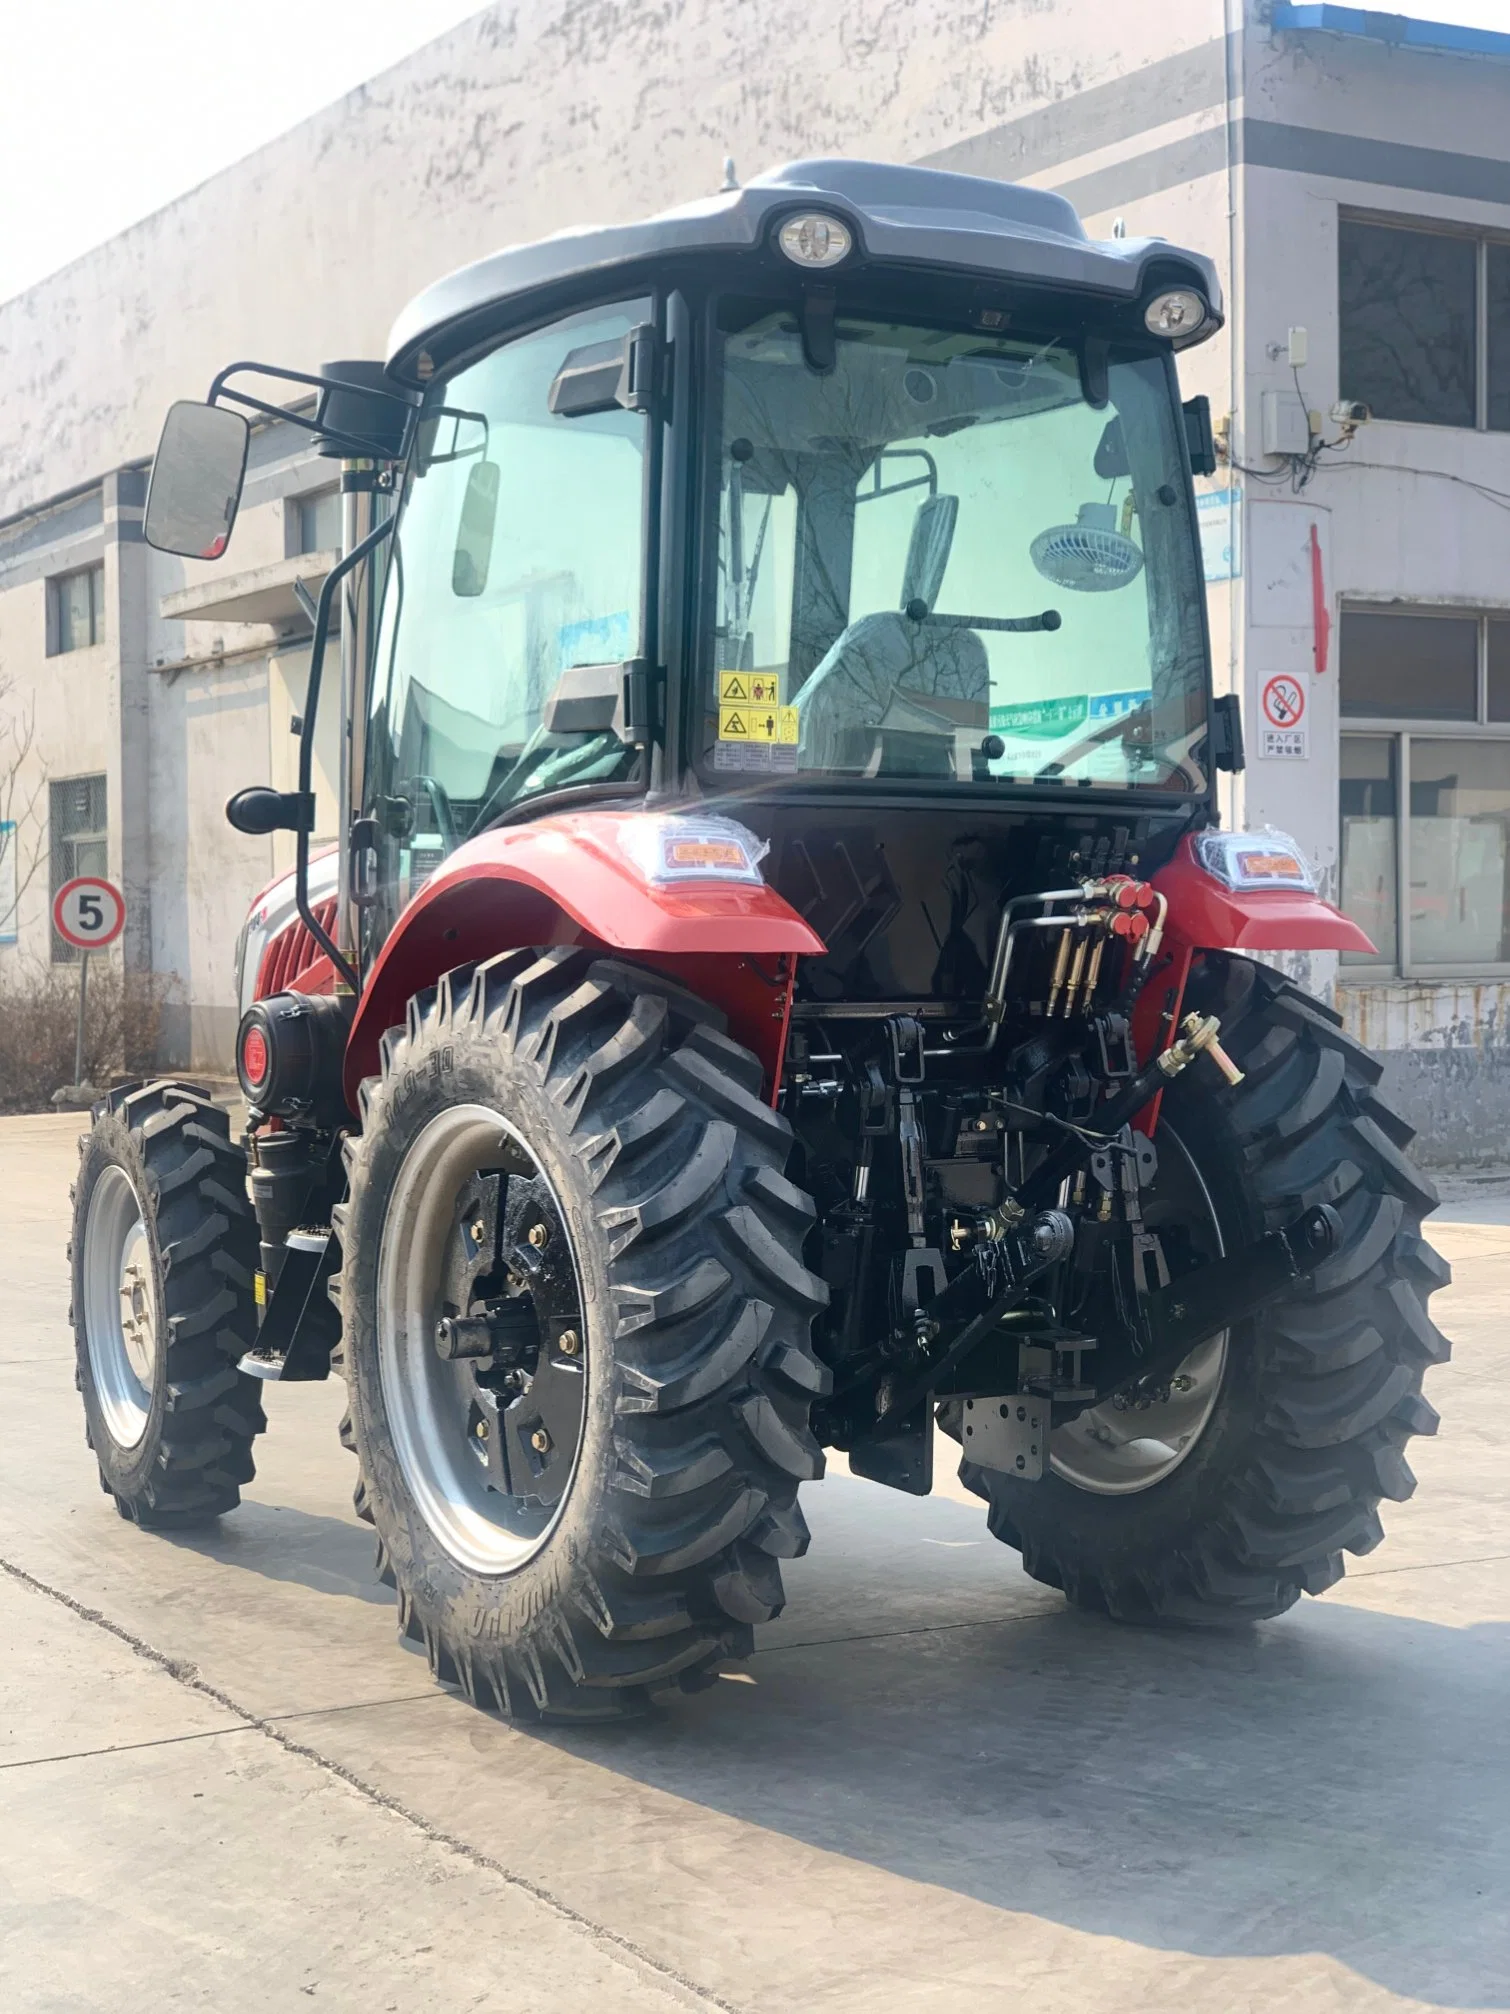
x=780 y=984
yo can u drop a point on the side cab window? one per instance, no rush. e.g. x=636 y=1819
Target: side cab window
x=518 y=561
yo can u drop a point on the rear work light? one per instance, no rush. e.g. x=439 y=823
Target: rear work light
x=1180 y=312
x=814 y=240
x=1253 y=860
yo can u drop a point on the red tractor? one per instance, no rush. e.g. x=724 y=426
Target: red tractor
x=781 y=983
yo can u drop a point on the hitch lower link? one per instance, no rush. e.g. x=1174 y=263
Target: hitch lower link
x=1009 y=1434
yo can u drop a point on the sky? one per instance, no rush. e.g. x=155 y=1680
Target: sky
x=111 y=108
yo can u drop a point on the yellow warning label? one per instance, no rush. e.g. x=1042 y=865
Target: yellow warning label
x=749 y=688
x=757 y=723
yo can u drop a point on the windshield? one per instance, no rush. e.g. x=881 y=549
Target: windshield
x=942 y=559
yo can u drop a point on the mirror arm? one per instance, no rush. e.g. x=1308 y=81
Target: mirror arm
x=343 y=967
x=353 y=447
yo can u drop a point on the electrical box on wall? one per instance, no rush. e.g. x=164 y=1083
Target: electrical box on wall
x=1287 y=424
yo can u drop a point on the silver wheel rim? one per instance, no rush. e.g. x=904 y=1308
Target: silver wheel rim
x=1109 y=1451
x=483 y=1530
x=120 y=1305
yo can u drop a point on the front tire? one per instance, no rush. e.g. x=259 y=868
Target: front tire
x=163 y=1253
x=571 y=1533
x=1318 y=1396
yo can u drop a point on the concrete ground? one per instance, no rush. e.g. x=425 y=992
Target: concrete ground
x=224 y=1785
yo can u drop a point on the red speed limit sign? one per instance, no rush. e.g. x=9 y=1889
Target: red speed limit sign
x=89 y=913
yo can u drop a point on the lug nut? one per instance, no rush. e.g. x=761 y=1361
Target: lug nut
x=569 y=1343
x=479 y=1230
x=540 y=1441
x=481 y=1430
x=538 y=1236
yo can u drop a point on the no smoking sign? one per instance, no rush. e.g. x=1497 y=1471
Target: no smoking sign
x=1284 y=701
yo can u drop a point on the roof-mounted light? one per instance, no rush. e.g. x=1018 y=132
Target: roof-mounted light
x=1180 y=312
x=815 y=240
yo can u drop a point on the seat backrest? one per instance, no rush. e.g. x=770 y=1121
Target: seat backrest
x=855 y=683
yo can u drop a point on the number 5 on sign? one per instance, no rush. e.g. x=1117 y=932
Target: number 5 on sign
x=89 y=913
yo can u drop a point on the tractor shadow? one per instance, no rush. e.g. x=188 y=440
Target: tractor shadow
x=1335 y=1781
x=330 y=1555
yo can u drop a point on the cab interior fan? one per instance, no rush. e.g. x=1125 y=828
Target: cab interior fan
x=1090 y=555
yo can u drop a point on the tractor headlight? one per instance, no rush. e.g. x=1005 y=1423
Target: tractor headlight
x=814 y=239
x=1180 y=312
x=665 y=850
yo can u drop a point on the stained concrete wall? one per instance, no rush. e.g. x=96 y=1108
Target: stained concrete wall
x=529 y=118
x=535 y=116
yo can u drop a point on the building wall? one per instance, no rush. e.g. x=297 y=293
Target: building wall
x=1193 y=121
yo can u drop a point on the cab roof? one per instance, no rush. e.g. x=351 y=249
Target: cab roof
x=899 y=216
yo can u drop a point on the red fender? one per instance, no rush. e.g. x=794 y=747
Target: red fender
x=1206 y=915
x=565 y=880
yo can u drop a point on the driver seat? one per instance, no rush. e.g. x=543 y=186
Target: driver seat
x=858 y=680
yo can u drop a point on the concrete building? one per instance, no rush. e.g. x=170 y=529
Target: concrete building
x=1349 y=172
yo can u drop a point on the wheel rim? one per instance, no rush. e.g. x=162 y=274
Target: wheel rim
x=467 y=1207
x=120 y=1305
x=1116 y=1451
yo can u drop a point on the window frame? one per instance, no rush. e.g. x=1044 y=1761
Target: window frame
x=1403 y=732
x=1481 y=237
x=61 y=951
x=94 y=572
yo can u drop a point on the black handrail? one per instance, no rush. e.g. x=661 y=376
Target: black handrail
x=337 y=573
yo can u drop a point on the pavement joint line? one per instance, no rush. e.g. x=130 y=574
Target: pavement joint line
x=921 y=1629
x=127 y=1747
x=1426 y=1566
x=240 y=1727
x=186 y=1674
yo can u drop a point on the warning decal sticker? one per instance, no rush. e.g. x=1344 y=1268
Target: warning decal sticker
x=757 y=723
x=749 y=688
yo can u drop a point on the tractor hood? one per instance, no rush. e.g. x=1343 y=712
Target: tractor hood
x=918 y=217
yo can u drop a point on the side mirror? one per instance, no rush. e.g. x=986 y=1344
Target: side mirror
x=197 y=475
x=262 y=809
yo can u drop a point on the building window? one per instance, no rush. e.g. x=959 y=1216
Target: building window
x=320 y=522
x=1424 y=324
x=78 y=841
x=76 y=611
x=1425 y=790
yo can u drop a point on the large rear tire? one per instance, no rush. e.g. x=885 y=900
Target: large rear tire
x=604 y=1517
x=163 y=1254
x=1317 y=1396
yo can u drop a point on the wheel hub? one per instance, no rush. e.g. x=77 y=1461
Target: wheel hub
x=1130 y=1442
x=120 y=1305
x=479 y=1339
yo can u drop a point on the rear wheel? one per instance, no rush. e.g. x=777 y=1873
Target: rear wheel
x=567 y=1168
x=164 y=1248
x=1243 y=1488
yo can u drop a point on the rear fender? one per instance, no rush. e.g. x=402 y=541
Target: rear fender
x=565 y=880
x=1206 y=915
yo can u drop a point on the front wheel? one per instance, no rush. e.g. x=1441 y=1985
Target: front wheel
x=1241 y=1486
x=576 y=1335
x=163 y=1253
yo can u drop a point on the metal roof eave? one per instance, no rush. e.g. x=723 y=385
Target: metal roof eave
x=1396 y=31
